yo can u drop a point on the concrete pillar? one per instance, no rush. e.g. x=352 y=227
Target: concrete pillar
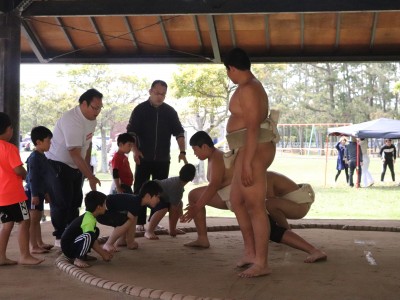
x=10 y=59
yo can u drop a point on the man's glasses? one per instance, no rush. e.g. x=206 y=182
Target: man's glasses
x=96 y=108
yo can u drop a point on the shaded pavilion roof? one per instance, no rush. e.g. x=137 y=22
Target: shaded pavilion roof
x=201 y=31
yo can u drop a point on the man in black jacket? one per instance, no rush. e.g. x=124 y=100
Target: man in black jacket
x=354 y=162
x=388 y=155
x=152 y=123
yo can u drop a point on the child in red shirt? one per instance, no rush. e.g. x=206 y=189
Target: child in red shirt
x=12 y=197
x=121 y=170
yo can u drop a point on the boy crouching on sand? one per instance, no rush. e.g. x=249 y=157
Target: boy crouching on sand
x=12 y=197
x=171 y=201
x=122 y=212
x=81 y=235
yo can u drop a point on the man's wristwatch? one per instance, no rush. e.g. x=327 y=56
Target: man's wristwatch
x=183 y=152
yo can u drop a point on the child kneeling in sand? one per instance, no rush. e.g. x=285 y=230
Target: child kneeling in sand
x=81 y=235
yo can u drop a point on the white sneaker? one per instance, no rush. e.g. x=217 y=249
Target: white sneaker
x=57 y=243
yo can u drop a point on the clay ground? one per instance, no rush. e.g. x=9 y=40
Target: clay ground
x=361 y=265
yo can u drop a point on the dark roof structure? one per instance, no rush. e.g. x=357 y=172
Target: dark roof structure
x=201 y=31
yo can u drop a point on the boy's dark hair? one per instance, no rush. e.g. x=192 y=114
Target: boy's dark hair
x=187 y=173
x=124 y=138
x=40 y=133
x=160 y=82
x=89 y=95
x=94 y=199
x=200 y=138
x=150 y=187
x=5 y=122
x=237 y=58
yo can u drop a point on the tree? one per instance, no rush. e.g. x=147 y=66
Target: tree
x=43 y=104
x=207 y=89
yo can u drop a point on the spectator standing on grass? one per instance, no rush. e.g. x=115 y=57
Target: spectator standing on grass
x=366 y=176
x=152 y=123
x=341 y=163
x=353 y=161
x=388 y=156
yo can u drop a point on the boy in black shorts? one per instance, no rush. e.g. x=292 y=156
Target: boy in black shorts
x=12 y=197
x=122 y=212
x=81 y=235
x=36 y=188
x=171 y=201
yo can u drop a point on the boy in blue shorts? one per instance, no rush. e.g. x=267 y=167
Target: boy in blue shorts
x=36 y=188
x=81 y=235
x=122 y=212
x=12 y=197
x=171 y=201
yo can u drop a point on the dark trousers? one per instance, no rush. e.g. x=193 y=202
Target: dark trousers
x=81 y=245
x=66 y=196
x=155 y=169
x=352 y=168
x=388 y=163
x=346 y=171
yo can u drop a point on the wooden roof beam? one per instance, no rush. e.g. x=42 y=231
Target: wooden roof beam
x=373 y=31
x=60 y=23
x=97 y=31
x=188 y=7
x=164 y=32
x=131 y=32
x=33 y=41
x=198 y=34
x=214 y=39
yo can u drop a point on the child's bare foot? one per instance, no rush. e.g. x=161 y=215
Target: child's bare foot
x=102 y=240
x=255 y=271
x=315 y=256
x=132 y=245
x=39 y=250
x=150 y=236
x=88 y=257
x=30 y=260
x=46 y=246
x=80 y=263
x=198 y=244
x=245 y=262
x=109 y=248
x=7 y=262
x=174 y=232
x=121 y=244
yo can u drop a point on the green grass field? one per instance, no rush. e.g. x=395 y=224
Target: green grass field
x=333 y=200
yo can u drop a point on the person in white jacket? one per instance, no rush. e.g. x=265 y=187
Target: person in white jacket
x=366 y=176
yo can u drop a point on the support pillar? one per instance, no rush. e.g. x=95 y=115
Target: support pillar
x=10 y=59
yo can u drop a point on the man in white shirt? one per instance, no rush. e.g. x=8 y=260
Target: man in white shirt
x=69 y=155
